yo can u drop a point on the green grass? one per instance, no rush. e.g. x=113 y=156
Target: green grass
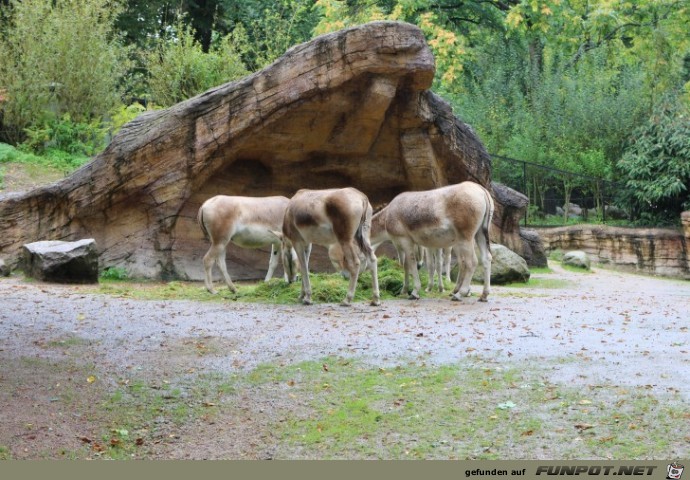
x=5 y=453
x=346 y=408
x=464 y=411
x=539 y=282
x=37 y=167
x=52 y=158
x=326 y=288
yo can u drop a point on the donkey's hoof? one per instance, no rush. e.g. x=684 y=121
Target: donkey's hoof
x=375 y=303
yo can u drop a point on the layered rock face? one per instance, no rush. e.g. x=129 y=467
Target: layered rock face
x=656 y=251
x=350 y=108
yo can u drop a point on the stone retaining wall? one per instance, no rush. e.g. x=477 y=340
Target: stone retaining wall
x=655 y=251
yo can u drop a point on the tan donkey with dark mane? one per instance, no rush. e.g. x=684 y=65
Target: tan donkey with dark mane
x=329 y=217
x=453 y=216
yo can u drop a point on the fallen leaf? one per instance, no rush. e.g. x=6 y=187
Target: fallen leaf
x=583 y=426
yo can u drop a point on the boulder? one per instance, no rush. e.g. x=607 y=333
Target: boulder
x=573 y=209
x=533 y=248
x=506 y=267
x=576 y=258
x=5 y=269
x=62 y=262
x=615 y=213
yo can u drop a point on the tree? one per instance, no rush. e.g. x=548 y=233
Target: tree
x=49 y=50
x=656 y=165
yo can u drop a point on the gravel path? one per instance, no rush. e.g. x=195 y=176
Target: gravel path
x=610 y=326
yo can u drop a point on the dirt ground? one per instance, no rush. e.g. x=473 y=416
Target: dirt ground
x=614 y=328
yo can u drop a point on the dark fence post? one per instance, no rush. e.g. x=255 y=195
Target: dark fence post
x=524 y=187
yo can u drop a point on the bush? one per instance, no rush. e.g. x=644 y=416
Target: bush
x=66 y=135
x=179 y=69
x=59 y=57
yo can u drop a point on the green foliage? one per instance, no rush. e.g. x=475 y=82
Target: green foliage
x=122 y=114
x=53 y=158
x=66 y=135
x=656 y=166
x=264 y=30
x=179 y=69
x=58 y=57
x=114 y=273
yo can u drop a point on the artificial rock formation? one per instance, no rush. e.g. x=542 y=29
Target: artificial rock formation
x=351 y=108
x=655 y=251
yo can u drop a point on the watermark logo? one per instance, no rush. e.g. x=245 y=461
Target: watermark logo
x=674 y=471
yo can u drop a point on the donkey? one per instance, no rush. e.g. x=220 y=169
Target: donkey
x=249 y=222
x=438 y=262
x=329 y=217
x=453 y=216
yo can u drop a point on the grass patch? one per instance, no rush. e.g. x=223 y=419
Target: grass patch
x=572 y=268
x=143 y=412
x=5 y=453
x=540 y=270
x=341 y=408
x=67 y=342
x=464 y=411
x=544 y=283
x=326 y=288
x=52 y=158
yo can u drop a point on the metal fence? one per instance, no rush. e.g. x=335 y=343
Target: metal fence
x=558 y=197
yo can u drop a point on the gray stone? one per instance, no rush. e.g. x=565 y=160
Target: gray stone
x=506 y=267
x=615 y=213
x=532 y=248
x=573 y=209
x=62 y=262
x=576 y=258
x=5 y=269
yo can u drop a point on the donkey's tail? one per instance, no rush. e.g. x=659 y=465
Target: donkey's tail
x=202 y=224
x=488 y=216
x=364 y=229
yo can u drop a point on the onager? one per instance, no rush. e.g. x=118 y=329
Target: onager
x=438 y=262
x=329 y=217
x=248 y=222
x=453 y=216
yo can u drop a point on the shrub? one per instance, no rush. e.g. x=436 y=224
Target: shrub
x=179 y=69
x=59 y=57
x=67 y=135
